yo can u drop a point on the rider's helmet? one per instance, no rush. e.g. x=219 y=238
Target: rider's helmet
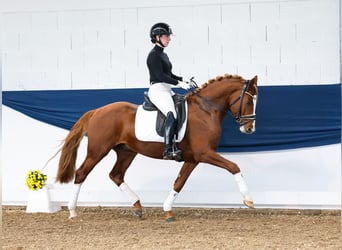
x=159 y=29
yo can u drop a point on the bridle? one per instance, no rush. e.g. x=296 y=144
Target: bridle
x=243 y=119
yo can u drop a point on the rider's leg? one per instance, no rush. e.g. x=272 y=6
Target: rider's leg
x=171 y=151
x=161 y=95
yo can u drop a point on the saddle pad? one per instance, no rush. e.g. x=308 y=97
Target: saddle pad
x=145 y=125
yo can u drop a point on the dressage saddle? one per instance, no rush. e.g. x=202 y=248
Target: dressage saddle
x=179 y=101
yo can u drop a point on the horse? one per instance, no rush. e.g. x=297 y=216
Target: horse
x=112 y=127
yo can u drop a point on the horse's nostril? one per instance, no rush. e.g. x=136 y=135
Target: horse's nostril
x=249 y=130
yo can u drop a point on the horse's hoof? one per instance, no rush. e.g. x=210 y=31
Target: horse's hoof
x=171 y=219
x=137 y=213
x=137 y=209
x=248 y=203
x=169 y=216
x=73 y=214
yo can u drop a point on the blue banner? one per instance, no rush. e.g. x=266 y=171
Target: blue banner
x=287 y=116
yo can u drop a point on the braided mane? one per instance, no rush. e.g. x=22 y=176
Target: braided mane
x=217 y=78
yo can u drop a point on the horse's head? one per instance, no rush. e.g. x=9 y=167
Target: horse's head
x=234 y=94
x=243 y=105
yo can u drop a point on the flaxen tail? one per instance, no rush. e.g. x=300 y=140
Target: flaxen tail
x=66 y=168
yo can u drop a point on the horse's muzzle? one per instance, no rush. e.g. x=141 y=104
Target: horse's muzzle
x=248 y=128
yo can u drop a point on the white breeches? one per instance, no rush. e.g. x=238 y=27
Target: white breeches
x=160 y=95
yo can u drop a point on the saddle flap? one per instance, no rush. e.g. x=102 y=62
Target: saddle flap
x=147 y=104
x=179 y=102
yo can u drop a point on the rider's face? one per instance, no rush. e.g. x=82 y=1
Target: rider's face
x=165 y=39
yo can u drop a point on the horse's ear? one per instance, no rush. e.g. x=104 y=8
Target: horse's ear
x=254 y=80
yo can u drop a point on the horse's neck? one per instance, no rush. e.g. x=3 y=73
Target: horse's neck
x=219 y=94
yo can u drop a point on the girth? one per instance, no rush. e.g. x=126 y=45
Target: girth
x=178 y=100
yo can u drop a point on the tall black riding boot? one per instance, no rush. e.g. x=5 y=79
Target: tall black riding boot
x=171 y=151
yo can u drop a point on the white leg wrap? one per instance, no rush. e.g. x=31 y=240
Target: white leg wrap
x=131 y=195
x=168 y=203
x=73 y=200
x=242 y=186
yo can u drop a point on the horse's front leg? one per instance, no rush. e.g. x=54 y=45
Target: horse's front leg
x=247 y=199
x=183 y=175
x=214 y=158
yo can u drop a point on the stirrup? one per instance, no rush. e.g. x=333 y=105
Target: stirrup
x=172 y=153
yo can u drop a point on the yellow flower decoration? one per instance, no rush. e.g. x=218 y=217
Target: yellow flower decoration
x=35 y=179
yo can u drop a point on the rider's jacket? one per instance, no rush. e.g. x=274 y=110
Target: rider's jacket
x=160 y=67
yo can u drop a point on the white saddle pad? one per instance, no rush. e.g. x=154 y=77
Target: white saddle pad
x=145 y=125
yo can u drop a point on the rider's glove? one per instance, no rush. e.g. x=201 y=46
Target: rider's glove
x=187 y=80
x=184 y=85
x=190 y=81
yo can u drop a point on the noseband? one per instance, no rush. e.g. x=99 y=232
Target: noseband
x=243 y=119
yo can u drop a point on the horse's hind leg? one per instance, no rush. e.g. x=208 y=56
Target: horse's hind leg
x=81 y=174
x=124 y=160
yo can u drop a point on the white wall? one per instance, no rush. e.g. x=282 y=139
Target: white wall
x=103 y=44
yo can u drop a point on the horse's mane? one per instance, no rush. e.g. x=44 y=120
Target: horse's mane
x=217 y=78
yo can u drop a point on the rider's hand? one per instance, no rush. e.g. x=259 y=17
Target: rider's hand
x=187 y=80
x=184 y=85
x=190 y=81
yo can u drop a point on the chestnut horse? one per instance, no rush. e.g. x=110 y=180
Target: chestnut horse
x=113 y=127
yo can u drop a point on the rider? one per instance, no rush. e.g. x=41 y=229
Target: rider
x=161 y=81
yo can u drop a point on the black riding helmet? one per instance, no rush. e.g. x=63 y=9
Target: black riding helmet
x=159 y=29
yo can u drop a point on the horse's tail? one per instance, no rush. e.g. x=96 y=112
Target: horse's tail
x=66 y=168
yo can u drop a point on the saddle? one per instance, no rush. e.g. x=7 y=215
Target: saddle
x=178 y=100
